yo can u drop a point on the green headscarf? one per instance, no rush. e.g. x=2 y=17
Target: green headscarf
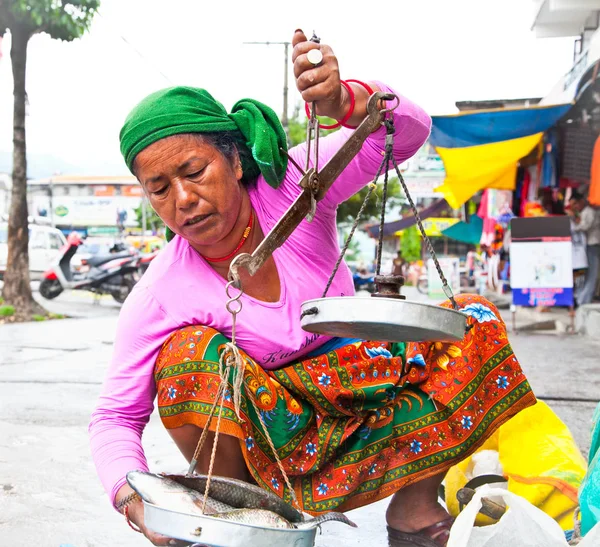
x=178 y=110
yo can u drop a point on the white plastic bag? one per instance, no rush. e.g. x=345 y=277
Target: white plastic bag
x=523 y=525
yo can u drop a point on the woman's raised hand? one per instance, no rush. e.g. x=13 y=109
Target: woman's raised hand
x=320 y=83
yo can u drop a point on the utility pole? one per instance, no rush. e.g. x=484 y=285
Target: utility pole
x=286 y=46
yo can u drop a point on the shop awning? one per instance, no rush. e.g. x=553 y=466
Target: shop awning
x=481 y=149
x=408 y=220
x=467 y=232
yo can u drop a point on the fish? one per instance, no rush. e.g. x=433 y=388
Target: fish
x=239 y=494
x=230 y=499
x=164 y=492
x=270 y=519
x=256 y=517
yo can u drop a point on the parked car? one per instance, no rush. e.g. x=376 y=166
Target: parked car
x=45 y=243
x=95 y=246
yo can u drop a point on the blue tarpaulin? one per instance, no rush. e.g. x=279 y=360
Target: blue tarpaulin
x=467 y=232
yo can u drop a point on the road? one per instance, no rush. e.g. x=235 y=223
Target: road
x=51 y=374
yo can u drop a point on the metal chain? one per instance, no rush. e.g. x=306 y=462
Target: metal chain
x=389 y=148
x=389 y=157
x=447 y=289
x=372 y=187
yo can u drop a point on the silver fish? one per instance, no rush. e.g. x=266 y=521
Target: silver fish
x=269 y=519
x=164 y=492
x=239 y=494
x=317 y=521
x=256 y=517
x=230 y=499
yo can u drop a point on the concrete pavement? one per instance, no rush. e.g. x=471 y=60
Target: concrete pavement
x=51 y=374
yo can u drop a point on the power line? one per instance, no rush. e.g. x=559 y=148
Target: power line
x=286 y=46
x=136 y=50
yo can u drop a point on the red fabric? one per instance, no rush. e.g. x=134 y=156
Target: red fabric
x=594 y=197
x=524 y=192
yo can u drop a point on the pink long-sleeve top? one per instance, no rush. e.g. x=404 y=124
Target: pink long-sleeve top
x=180 y=288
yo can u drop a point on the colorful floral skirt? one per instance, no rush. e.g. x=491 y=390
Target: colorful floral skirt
x=358 y=423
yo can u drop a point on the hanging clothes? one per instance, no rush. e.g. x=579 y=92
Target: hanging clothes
x=534 y=184
x=549 y=167
x=524 y=192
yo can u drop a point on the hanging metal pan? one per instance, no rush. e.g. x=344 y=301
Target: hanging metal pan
x=216 y=532
x=385 y=319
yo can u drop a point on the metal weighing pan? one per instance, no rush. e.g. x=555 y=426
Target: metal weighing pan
x=215 y=532
x=385 y=319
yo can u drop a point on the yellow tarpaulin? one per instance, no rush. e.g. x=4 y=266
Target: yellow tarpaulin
x=472 y=169
x=481 y=149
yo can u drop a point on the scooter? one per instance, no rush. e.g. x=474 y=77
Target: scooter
x=114 y=274
x=365 y=283
x=145 y=260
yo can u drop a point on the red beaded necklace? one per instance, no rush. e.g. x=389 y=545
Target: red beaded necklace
x=239 y=246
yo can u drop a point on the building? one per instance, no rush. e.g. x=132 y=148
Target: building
x=581 y=20
x=464 y=106
x=91 y=205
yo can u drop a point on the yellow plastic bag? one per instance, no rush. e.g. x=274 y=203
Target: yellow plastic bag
x=539 y=458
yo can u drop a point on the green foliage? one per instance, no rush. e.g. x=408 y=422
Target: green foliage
x=297 y=127
x=348 y=210
x=353 y=253
x=61 y=19
x=56 y=316
x=153 y=221
x=410 y=244
x=7 y=311
x=36 y=317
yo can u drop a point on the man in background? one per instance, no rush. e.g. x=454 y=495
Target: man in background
x=400 y=265
x=587 y=221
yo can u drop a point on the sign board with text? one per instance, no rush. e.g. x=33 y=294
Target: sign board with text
x=541 y=265
x=451 y=267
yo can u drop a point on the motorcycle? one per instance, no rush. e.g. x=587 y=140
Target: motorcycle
x=364 y=283
x=145 y=260
x=115 y=273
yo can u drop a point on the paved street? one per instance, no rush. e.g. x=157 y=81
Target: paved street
x=51 y=373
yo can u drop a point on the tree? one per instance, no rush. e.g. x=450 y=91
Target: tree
x=62 y=20
x=348 y=210
x=410 y=244
x=153 y=221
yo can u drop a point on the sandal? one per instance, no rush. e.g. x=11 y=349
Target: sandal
x=436 y=535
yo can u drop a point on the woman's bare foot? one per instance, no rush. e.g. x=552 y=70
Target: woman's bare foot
x=416 y=507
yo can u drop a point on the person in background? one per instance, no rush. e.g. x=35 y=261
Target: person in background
x=471 y=261
x=587 y=220
x=399 y=265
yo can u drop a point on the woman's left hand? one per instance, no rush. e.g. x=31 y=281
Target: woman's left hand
x=319 y=83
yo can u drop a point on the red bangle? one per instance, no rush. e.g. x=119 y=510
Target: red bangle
x=366 y=86
x=347 y=115
x=369 y=90
x=134 y=528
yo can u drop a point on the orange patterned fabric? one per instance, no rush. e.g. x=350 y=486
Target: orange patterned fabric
x=357 y=423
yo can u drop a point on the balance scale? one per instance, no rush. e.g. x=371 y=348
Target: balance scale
x=386 y=316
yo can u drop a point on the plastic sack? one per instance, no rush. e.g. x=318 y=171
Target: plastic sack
x=540 y=459
x=589 y=495
x=523 y=525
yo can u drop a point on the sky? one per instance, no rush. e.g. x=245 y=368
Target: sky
x=435 y=52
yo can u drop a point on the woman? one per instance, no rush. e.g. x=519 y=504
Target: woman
x=352 y=421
